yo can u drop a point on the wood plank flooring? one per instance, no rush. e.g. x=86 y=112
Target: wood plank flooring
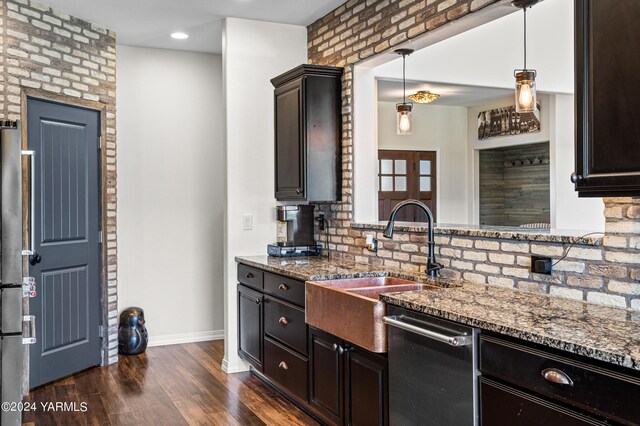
x=167 y=385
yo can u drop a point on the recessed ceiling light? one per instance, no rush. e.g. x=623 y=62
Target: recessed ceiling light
x=180 y=36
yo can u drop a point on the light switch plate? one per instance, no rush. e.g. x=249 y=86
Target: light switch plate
x=247 y=222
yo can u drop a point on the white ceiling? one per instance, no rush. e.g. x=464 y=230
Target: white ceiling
x=149 y=23
x=450 y=94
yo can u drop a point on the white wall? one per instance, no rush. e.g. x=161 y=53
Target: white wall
x=487 y=55
x=253 y=53
x=568 y=212
x=571 y=212
x=170 y=191
x=435 y=128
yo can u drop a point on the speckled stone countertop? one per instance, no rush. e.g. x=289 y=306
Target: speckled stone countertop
x=599 y=332
x=321 y=269
x=502 y=232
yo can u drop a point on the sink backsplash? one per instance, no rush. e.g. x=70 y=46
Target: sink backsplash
x=608 y=273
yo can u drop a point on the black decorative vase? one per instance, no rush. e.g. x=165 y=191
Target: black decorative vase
x=132 y=333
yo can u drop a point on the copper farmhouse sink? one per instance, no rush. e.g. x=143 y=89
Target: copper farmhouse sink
x=351 y=309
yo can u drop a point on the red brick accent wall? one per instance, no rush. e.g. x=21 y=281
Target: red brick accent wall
x=608 y=274
x=45 y=49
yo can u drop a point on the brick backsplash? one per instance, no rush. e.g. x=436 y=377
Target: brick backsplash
x=45 y=49
x=607 y=274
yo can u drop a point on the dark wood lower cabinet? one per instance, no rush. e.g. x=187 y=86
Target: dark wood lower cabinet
x=250 y=326
x=326 y=375
x=348 y=385
x=336 y=382
x=366 y=387
x=503 y=405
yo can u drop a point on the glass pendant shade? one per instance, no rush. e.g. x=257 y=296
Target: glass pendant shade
x=526 y=97
x=404 y=118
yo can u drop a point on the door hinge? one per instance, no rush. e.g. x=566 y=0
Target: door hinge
x=101 y=331
x=99 y=237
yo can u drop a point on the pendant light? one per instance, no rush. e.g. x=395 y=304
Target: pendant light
x=403 y=110
x=526 y=98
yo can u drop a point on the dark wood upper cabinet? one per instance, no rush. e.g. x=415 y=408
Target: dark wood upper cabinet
x=607 y=97
x=307 y=133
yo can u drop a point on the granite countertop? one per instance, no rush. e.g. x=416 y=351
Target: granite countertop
x=319 y=268
x=600 y=332
x=503 y=232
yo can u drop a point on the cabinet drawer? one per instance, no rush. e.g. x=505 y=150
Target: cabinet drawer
x=286 y=323
x=285 y=368
x=284 y=288
x=604 y=392
x=502 y=405
x=251 y=277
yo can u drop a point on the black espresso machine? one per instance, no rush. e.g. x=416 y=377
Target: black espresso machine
x=295 y=232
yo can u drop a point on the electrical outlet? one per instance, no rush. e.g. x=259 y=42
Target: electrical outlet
x=541 y=265
x=247 y=222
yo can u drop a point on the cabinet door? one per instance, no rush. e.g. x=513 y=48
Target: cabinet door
x=290 y=147
x=503 y=405
x=607 y=97
x=326 y=375
x=250 y=326
x=366 y=386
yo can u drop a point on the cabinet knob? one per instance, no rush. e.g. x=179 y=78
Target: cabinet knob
x=283 y=287
x=283 y=321
x=575 y=178
x=555 y=375
x=298 y=190
x=335 y=347
x=283 y=365
x=258 y=301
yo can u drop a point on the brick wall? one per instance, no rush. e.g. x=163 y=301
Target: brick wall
x=608 y=274
x=44 y=49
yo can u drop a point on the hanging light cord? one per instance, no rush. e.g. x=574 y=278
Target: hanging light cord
x=525 y=37
x=404 y=81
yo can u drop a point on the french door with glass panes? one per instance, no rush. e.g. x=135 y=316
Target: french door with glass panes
x=403 y=175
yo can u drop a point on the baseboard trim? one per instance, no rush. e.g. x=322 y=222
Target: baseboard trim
x=236 y=366
x=176 y=339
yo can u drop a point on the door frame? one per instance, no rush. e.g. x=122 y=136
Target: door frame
x=101 y=108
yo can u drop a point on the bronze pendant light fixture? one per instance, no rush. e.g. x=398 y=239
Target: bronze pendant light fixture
x=403 y=110
x=526 y=97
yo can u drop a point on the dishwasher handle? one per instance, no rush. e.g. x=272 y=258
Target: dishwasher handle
x=455 y=340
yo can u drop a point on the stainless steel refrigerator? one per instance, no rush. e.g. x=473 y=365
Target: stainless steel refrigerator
x=16 y=328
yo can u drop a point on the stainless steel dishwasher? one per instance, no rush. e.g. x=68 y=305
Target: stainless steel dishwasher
x=432 y=370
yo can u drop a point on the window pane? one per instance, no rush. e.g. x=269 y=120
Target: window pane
x=425 y=167
x=401 y=167
x=401 y=183
x=386 y=167
x=386 y=183
x=425 y=183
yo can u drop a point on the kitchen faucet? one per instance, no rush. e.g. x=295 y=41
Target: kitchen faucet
x=432 y=266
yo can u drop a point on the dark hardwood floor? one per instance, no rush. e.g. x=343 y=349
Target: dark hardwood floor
x=168 y=385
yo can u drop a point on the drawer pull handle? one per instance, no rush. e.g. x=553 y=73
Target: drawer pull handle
x=248 y=275
x=283 y=321
x=283 y=365
x=283 y=287
x=557 y=376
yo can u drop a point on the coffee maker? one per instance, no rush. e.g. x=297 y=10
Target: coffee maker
x=295 y=232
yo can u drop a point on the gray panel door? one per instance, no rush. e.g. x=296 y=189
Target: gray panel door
x=66 y=226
